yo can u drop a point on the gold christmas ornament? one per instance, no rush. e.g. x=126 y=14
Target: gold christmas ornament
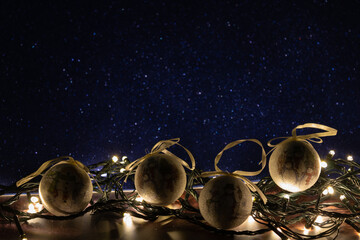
x=294 y=164
x=160 y=179
x=225 y=202
x=65 y=189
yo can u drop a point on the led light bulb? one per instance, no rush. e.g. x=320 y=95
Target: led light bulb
x=139 y=199
x=31 y=208
x=34 y=199
x=115 y=159
x=123 y=159
x=323 y=164
x=319 y=219
x=39 y=207
x=250 y=219
x=332 y=152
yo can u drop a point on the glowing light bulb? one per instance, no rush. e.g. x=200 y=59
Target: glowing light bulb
x=24 y=238
x=35 y=207
x=253 y=199
x=115 y=159
x=325 y=192
x=250 y=219
x=139 y=199
x=287 y=196
x=31 y=208
x=319 y=219
x=331 y=190
x=122 y=170
x=332 y=152
x=350 y=158
x=34 y=199
x=123 y=159
x=39 y=207
x=342 y=197
x=104 y=175
x=306 y=230
x=323 y=164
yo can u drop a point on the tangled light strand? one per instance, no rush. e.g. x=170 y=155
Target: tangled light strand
x=279 y=214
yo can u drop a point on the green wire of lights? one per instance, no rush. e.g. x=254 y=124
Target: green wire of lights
x=338 y=179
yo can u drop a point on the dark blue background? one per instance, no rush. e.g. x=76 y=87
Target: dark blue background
x=93 y=79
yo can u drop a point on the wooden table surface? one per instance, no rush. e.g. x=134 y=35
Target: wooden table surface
x=106 y=226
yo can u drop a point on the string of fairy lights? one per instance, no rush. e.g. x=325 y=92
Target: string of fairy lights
x=320 y=210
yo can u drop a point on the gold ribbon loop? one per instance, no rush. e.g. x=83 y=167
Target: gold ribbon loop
x=161 y=147
x=235 y=143
x=46 y=164
x=312 y=137
x=163 y=144
x=238 y=173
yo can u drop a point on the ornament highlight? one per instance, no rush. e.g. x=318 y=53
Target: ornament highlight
x=160 y=179
x=225 y=202
x=65 y=189
x=295 y=165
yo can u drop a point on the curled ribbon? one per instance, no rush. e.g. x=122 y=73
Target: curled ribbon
x=46 y=164
x=238 y=173
x=313 y=137
x=161 y=147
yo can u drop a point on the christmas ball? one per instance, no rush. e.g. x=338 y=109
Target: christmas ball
x=295 y=165
x=225 y=202
x=160 y=179
x=65 y=189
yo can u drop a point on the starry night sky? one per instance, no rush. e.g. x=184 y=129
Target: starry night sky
x=94 y=79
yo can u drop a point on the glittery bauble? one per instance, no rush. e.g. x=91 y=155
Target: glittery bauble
x=65 y=189
x=225 y=202
x=295 y=165
x=160 y=179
